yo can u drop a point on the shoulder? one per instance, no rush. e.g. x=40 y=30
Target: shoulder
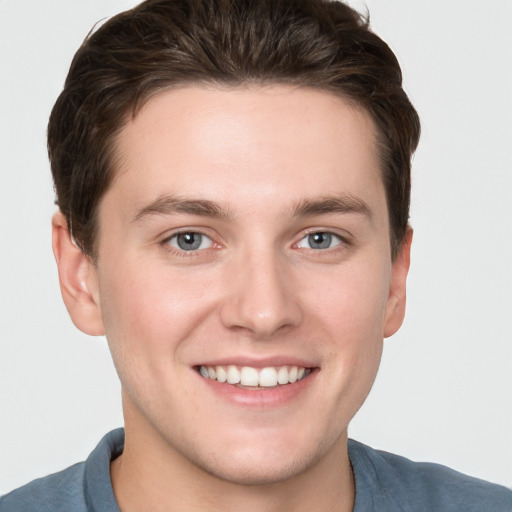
x=420 y=486
x=61 y=491
x=80 y=488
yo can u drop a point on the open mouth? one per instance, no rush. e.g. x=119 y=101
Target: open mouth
x=247 y=376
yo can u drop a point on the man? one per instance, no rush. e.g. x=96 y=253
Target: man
x=233 y=181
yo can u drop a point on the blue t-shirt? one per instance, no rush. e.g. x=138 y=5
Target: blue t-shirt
x=384 y=483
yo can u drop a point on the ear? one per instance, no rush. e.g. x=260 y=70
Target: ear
x=395 y=309
x=78 y=279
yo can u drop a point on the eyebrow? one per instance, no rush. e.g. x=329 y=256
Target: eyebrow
x=343 y=203
x=168 y=205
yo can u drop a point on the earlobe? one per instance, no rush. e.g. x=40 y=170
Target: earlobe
x=395 y=309
x=78 y=279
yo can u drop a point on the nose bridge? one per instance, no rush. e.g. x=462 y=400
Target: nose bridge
x=261 y=299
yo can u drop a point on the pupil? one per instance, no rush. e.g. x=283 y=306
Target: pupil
x=320 y=240
x=189 y=241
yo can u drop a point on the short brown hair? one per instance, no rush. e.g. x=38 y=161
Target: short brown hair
x=164 y=43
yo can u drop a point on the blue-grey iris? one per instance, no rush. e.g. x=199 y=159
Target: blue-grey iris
x=320 y=240
x=189 y=241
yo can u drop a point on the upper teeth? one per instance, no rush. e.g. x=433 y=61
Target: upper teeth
x=249 y=376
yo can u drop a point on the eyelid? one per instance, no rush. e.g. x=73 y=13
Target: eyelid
x=334 y=236
x=344 y=237
x=175 y=237
x=166 y=235
x=173 y=234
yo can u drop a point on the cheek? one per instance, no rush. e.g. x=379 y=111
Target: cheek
x=350 y=311
x=352 y=302
x=147 y=311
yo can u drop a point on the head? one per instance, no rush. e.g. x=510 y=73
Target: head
x=161 y=45
x=236 y=176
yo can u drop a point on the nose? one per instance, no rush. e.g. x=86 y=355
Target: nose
x=261 y=298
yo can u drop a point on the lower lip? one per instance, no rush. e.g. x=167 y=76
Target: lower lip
x=261 y=397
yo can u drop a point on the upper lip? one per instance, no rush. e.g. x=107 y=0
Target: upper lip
x=280 y=360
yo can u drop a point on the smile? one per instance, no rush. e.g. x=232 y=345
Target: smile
x=268 y=377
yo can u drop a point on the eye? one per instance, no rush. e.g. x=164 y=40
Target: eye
x=190 y=241
x=319 y=240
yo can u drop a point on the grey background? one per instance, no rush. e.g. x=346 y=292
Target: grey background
x=445 y=386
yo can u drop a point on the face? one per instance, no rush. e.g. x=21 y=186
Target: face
x=244 y=277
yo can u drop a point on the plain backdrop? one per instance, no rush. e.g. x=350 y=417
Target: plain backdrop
x=445 y=386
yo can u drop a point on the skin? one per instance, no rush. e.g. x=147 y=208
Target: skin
x=256 y=291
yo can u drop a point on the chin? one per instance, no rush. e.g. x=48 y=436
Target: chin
x=262 y=463
x=258 y=470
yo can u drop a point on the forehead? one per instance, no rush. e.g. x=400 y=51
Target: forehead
x=273 y=142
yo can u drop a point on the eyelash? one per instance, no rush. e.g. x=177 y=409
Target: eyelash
x=166 y=243
x=340 y=240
